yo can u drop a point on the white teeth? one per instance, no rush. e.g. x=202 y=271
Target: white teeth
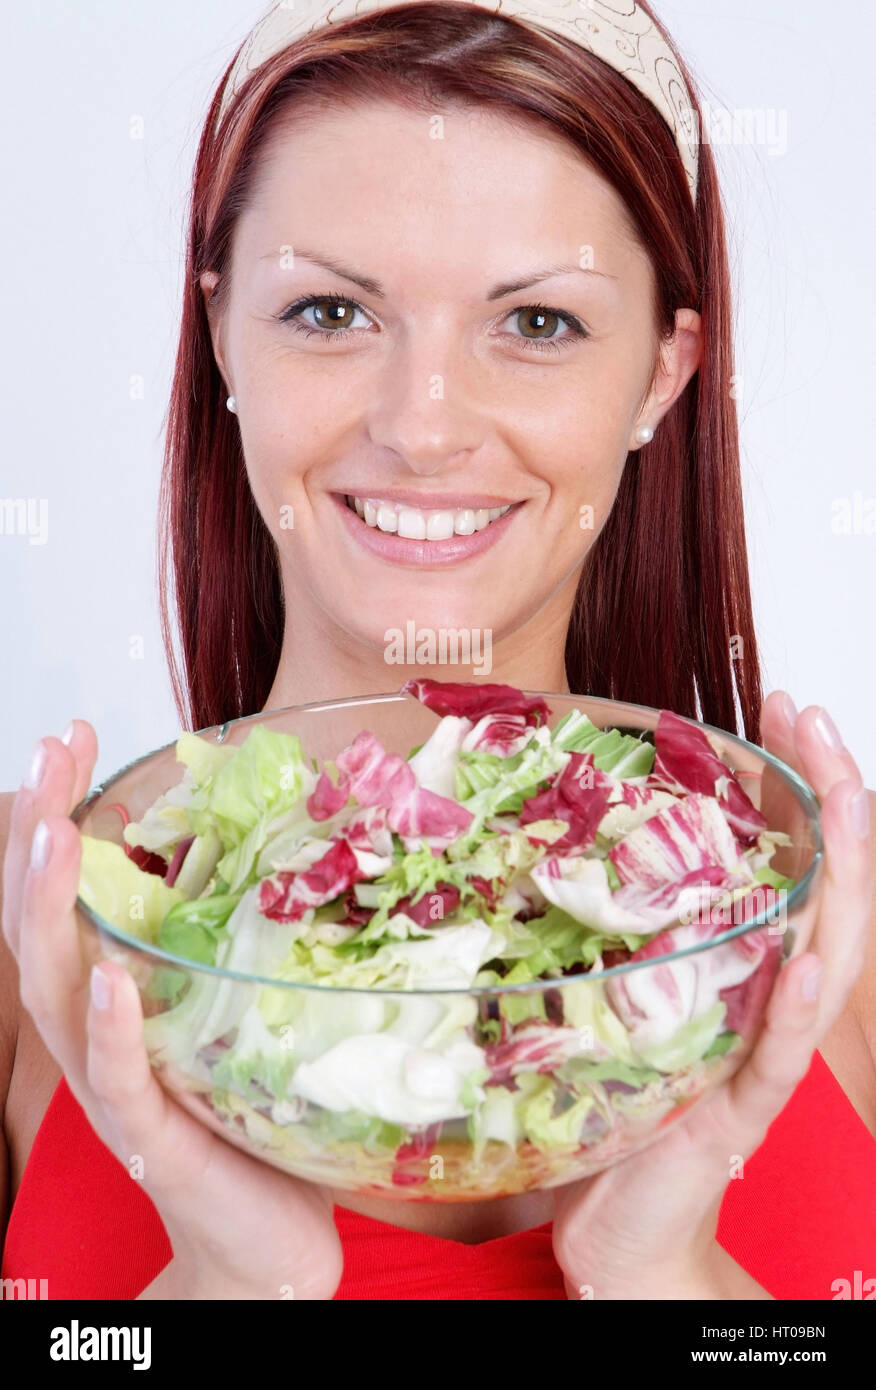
x=411 y=524
x=439 y=526
x=387 y=517
x=417 y=525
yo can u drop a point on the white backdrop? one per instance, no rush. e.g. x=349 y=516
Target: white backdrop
x=91 y=255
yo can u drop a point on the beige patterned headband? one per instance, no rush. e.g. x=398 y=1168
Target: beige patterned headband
x=617 y=31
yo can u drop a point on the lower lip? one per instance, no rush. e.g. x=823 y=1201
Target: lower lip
x=423 y=554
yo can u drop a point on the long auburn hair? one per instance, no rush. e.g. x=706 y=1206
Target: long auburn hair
x=662 y=614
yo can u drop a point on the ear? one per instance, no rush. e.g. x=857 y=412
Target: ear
x=678 y=359
x=208 y=282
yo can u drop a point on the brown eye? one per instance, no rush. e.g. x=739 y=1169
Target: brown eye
x=537 y=323
x=326 y=315
x=329 y=313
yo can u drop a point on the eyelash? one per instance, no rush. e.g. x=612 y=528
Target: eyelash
x=578 y=331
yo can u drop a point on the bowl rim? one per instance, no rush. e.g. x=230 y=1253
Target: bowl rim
x=789 y=900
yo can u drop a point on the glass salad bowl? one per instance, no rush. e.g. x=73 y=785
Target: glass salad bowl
x=508 y=981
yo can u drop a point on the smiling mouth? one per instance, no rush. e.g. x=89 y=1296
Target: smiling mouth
x=416 y=524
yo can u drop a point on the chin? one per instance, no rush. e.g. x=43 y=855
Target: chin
x=429 y=639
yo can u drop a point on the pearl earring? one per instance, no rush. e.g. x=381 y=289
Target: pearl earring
x=644 y=434
x=231 y=403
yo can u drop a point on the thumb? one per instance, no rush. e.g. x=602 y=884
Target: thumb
x=781 y=1055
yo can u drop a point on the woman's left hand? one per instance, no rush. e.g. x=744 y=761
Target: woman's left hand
x=646 y=1227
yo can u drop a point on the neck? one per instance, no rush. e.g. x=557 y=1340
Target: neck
x=320 y=661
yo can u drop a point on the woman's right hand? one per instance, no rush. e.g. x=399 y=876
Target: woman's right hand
x=239 y=1228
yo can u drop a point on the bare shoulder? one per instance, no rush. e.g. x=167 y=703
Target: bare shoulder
x=849 y=1049
x=28 y=1072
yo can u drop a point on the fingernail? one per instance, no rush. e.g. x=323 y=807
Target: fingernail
x=789 y=707
x=859 y=813
x=811 y=984
x=37 y=767
x=101 y=989
x=67 y=735
x=827 y=731
x=40 y=846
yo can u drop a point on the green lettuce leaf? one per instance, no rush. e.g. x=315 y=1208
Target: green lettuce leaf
x=577 y=1071
x=543 y=1127
x=488 y=785
x=723 y=1043
x=121 y=892
x=775 y=880
x=623 y=755
x=194 y=929
x=688 y=1044
x=264 y=779
x=259 y=1059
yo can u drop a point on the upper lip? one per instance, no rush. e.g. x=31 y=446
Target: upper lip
x=451 y=501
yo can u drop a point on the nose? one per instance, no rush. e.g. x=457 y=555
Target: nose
x=424 y=410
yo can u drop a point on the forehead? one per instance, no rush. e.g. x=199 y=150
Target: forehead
x=457 y=186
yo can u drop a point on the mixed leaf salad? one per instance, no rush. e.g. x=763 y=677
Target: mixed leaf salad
x=452 y=920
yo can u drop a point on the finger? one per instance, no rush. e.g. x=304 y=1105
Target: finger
x=842 y=928
x=51 y=786
x=813 y=747
x=778 y=716
x=81 y=739
x=783 y=810
x=736 y=1118
x=135 y=1116
x=816 y=752
x=51 y=968
x=186 y=1169
x=741 y=1111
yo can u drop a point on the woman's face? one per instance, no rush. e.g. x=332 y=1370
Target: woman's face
x=435 y=384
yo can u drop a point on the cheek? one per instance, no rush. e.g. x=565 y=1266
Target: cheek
x=579 y=454
x=292 y=425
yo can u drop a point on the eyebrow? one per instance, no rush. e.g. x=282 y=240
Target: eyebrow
x=372 y=286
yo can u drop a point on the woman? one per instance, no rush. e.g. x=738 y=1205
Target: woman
x=440 y=264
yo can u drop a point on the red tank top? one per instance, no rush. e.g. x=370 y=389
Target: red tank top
x=802 y=1216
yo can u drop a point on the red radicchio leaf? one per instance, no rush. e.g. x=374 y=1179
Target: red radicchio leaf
x=377 y=778
x=616 y=956
x=423 y=912
x=286 y=896
x=578 y=795
x=502 y=735
x=354 y=913
x=422 y=1143
x=489 y=889
x=536 y=1047
x=402 y=1179
x=176 y=862
x=326 y=799
x=745 y=1001
x=686 y=761
x=145 y=859
x=472 y=700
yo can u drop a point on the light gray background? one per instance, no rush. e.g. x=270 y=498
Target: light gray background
x=92 y=264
